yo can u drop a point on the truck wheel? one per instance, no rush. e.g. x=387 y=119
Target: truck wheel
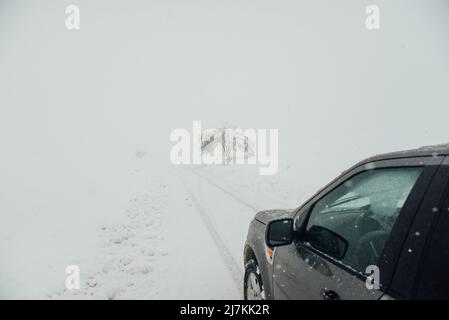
x=252 y=283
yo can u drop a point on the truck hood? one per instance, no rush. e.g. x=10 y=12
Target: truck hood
x=275 y=214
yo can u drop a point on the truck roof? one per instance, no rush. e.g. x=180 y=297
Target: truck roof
x=425 y=151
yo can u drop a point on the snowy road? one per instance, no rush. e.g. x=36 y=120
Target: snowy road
x=182 y=237
x=228 y=257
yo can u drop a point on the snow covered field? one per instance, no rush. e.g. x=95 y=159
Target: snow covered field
x=178 y=235
x=180 y=239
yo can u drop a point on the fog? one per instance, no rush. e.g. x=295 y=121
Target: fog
x=76 y=105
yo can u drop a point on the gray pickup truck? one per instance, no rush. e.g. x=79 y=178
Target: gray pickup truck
x=378 y=231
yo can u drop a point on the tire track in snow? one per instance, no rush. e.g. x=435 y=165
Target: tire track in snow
x=231 y=194
x=230 y=262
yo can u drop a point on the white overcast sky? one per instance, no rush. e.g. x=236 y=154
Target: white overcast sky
x=138 y=69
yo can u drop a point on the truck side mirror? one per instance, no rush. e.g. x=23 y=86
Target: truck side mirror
x=279 y=232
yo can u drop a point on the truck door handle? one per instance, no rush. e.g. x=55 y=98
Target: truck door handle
x=327 y=294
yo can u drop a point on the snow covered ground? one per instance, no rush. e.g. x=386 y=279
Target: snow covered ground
x=182 y=237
